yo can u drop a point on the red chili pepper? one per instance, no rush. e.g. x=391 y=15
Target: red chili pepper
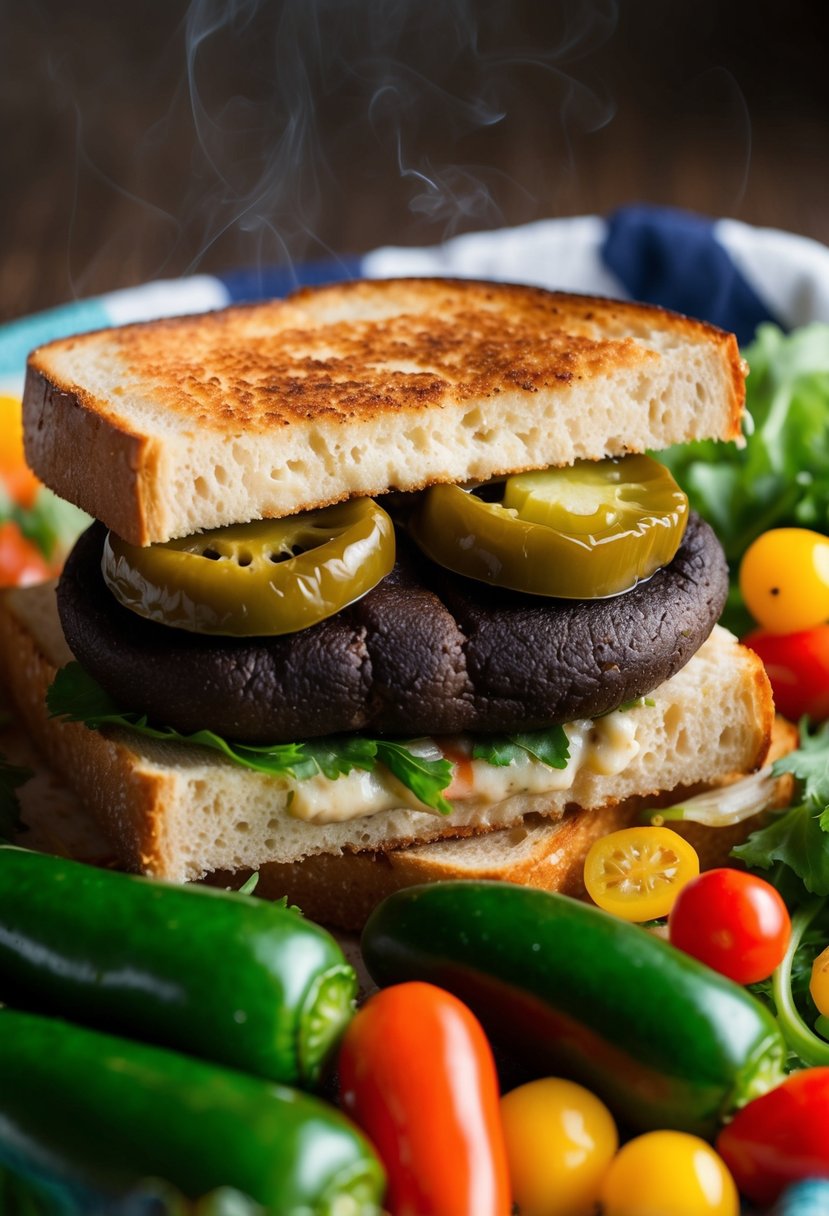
x=780 y=1138
x=417 y=1074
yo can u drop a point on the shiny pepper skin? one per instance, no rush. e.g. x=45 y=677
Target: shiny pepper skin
x=417 y=1075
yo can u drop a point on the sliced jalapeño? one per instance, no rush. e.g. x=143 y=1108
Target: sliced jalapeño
x=261 y=579
x=591 y=530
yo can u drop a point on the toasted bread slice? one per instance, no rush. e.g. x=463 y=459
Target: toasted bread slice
x=261 y=411
x=179 y=812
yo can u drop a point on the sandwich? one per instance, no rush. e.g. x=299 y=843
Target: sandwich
x=383 y=579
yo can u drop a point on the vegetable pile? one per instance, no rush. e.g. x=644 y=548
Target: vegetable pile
x=178 y=1031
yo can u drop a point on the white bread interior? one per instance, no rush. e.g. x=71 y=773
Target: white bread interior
x=261 y=411
x=179 y=813
x=343 y=891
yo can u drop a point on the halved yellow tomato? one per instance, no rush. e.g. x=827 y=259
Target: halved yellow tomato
x=637 y=873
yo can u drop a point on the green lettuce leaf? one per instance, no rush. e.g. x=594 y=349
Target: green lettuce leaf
x=550 y=746
x=781 y=477
x=799 y=838
x=796 y=839
x=427 y=779
x=810 y=764
x=76 y=697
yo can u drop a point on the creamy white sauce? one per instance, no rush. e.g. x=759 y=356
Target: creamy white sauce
x=605 y=746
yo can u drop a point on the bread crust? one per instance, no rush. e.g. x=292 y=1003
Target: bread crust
x=263 y=410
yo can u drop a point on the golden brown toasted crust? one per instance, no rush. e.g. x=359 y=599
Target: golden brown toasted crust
x=476 y=338
x=353 y=355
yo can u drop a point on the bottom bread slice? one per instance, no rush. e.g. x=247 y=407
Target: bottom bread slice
x=343 y=891
x=181 y=812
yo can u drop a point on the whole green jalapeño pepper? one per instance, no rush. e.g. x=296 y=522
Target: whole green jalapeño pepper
x=593 y=529
x=246 y=983
x=261 y=579
x=663 y=1039
x=88 y=1117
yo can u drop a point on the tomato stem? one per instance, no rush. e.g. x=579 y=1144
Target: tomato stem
x=812 y=1050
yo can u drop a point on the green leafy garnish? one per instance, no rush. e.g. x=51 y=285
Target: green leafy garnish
x=809 y=762
x=796 y=839
x=636 y=703
x=427 y=779
x=781 y=477
x=75 y=696
x=12 y=777
x=799 y=838
x=550 y=746
x=796 y=844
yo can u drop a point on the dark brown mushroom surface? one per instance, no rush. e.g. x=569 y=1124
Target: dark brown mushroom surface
x=425 y=653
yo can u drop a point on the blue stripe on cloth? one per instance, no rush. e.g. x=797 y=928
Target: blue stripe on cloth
x=669 y=257
x=270 y=281
x=19 y=337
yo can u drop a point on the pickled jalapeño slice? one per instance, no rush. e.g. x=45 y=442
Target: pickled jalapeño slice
x=591 y=530
x=259 y=579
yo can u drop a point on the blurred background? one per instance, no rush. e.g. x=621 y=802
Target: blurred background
x=156 y=139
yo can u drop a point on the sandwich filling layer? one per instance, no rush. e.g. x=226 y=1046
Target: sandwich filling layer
x=425 y=653
x=180 y=812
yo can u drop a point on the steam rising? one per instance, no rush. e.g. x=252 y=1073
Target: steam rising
x=333 y=92
x=264 y=132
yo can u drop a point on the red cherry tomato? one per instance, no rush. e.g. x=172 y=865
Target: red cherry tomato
x=20 y=562
x=417 y=1074
x=734 y=922
x=798 y=667
x=780 y=1138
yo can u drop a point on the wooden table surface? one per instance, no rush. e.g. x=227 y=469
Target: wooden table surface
x=157 y=139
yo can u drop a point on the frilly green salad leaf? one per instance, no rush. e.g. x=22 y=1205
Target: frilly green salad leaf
x=799 y=837
x=550 y=746
x=781 y=477
x=794 y=846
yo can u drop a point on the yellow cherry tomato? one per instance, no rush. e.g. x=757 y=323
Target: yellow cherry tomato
x=560 y=1141
x=15 y=475
x=637 y=873
x=668 y=1174
x=819 y=983
x=784 y=580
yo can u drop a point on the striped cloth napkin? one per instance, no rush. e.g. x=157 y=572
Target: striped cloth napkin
x=722 y=271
